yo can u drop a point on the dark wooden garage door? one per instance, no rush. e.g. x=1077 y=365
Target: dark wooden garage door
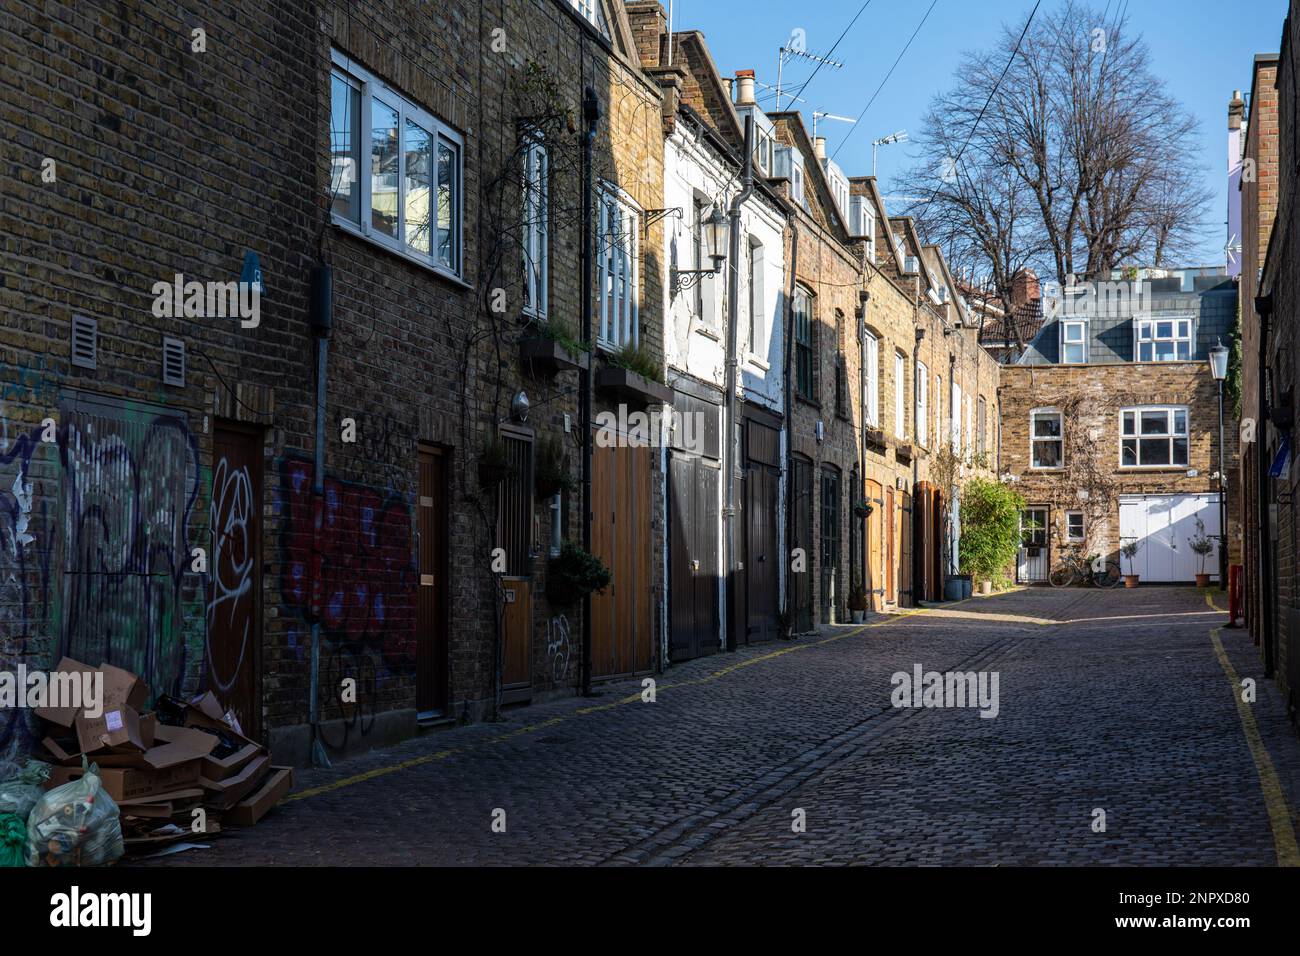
x=694 y=562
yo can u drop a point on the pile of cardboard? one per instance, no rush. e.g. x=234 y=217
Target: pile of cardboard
x=162 y=765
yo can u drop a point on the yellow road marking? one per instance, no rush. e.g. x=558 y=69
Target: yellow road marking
x=582 y=711
x=1279 y=813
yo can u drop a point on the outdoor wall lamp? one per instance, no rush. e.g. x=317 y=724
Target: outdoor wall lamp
x=715 y=234
x=1219 y=361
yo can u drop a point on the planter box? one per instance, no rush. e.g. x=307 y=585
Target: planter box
x=543 y=355
x=628 y=385
x=876 y=436
x=905 y=452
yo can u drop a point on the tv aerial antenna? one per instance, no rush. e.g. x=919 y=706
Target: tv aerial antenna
x=796 y=49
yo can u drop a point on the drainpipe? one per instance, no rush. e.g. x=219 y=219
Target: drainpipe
x=860 y=492
x=320 y=318
x=733 y=320
x=916 y=458
x=1264 y=307
x=788 y=350
x=591 y=113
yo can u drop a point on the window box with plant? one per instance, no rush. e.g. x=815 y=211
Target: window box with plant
x=633 y=375
x=550 y=346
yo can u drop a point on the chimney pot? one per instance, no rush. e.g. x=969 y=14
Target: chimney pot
x=819 y=147
x=745 y=88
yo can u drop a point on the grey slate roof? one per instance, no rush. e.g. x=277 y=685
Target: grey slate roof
x=1212 y=306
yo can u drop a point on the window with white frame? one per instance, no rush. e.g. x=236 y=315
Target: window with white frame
x=1163 y=340
x=754 y=274
x=1153 y=436
x=536 y=238
x=938 y=409
x=591 y=11
x=1074 y=526
x=955 y=409
x=618 y=229
x=1046 y=439
x=900 y=395
x=922 y=403
x=1074 y=341
x=396 y=170
x=872 y=363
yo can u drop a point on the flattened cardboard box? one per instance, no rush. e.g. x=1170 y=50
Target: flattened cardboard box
x=247 y=812
x=121 y=689
x=224 y=794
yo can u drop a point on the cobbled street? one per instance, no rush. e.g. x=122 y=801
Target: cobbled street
x=1113 y=700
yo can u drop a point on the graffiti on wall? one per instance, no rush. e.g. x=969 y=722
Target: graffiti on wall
x=94 y=543
x=356 y=576
x=234 y=556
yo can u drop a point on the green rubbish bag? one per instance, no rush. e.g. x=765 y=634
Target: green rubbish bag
x=19 y=793
x=13 y=840
x=76 y=824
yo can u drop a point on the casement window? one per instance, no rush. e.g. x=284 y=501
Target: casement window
x=922 y=403
x=1074 y=341
x=981 y=416
x=1163 y=340
x=900 y=395
x=763 y=152
x=871 y=364
x=1153 y=436
x=1046 y=439
x=617 y=279
x=1074 y=526
x=754 y=289
x=803 y=345
x=536 y=239
x=396 y=176
x=591 y=11
x=956 y=418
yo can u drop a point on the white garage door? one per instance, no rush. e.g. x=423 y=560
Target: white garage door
x=1165 y=526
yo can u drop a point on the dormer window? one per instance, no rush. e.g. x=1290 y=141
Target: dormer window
x=1074 y=341
x=1163 y=340
x=590 y=11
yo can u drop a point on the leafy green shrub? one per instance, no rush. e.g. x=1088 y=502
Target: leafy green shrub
x=573 y=574
x=990 y=528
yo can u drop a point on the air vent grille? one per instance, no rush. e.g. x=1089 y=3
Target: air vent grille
x=173 y=362
x=84 y=342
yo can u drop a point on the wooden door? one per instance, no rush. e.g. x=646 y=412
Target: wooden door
x=801 y=572
x=761 y=557
x=694 y=561
x=905 y=597
x=515 y=536
x=891 y=555
x=432 y=646
x=234 y=599
x=875 y=558
x=621 y=617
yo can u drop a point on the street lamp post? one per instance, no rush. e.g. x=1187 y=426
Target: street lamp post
x=1219 y=369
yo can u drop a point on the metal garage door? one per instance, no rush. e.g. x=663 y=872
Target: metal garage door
x=1165 y=525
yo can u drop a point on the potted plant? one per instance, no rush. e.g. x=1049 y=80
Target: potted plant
x=862 y=508
x=552 y=476
x=573 y=574
x=785 y=624
x=1129 y=549
x=493 y=463
x=1203 y=547
x=858 y=604
x=991 y=530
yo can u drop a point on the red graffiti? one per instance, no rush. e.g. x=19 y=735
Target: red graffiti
x=357 y=578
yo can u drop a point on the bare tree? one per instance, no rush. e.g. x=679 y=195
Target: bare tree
x=1077 y=161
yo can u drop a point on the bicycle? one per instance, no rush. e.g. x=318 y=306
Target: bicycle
x=1076 y=569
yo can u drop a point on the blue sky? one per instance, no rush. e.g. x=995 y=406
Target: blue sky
x=1202 y=50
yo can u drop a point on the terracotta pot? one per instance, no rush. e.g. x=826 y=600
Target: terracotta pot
x=1202 y=580
x=1130 y=580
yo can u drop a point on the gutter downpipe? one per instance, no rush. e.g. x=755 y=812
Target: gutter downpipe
x=788 y=388
x=591 y=113
x=322 y=305
x=1264 y=307
x=733 y=315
